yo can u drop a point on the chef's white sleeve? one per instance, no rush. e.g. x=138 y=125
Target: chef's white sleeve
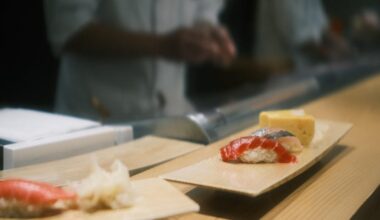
x=66 y=17
x=208 y=11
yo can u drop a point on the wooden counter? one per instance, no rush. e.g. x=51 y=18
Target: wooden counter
x=334 y=188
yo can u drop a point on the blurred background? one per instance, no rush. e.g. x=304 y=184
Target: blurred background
x=29 y=69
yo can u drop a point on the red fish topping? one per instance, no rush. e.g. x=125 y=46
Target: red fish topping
x=237 y=147
x=32 y=192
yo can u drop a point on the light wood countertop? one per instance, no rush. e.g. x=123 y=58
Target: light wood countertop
x=334 y=188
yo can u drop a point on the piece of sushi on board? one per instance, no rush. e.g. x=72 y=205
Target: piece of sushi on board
x=21 y=198
x=267 y=145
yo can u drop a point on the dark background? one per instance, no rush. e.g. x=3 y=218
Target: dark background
x=28 y=69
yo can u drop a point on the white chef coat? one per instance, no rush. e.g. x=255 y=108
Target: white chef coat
x=284 y=25
x=128 y=89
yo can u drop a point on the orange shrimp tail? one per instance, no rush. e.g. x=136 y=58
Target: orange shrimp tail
x=33 y=192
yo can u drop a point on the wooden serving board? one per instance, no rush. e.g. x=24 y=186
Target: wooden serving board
x=156 y=199
x=136 y=155
x=255 y=179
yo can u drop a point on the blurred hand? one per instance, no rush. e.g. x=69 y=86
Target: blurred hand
x=199 y=44
x=336 y=47
x=367 y=21
x=226 y=47
x=333 y=47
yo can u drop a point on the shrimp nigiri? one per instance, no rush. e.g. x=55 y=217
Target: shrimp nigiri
x=26 y=198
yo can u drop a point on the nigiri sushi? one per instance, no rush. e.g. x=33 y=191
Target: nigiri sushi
x=26 y=198
x=264 y=145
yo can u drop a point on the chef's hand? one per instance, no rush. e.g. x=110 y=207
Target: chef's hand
x=199 y=44
x=226 y=50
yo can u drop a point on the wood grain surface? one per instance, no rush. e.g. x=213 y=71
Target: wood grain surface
x=333 y=188
x=255 y=179
x=155 y=199
x=137 y=155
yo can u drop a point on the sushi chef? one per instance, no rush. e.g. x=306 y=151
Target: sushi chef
x=124 y=60
x=296 y=31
